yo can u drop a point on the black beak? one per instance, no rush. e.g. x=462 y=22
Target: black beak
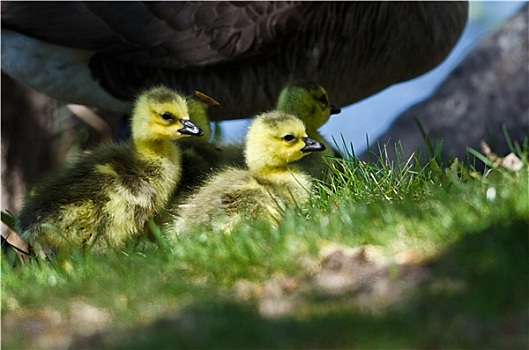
x=312 y=145
x=335 y=110
x=190 y=128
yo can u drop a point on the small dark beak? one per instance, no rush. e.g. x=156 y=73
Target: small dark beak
x=335 y=110
x=190 y=128
x=312 y=145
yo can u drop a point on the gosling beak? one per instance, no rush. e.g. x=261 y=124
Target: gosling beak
x=335 y=110
x=312 y=145
x=190 y=128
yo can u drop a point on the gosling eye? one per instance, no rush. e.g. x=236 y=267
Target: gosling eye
x=323 y=99
x=289 y=138
x=167 y=116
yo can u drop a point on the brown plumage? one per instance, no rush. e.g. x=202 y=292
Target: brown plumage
x=102 y=53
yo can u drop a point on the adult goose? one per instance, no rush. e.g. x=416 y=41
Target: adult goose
x=242 y=53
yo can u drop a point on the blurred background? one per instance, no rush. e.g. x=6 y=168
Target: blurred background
x=373 y=116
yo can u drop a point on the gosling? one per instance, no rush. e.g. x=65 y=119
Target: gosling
x=106 y=197
x=274 y=140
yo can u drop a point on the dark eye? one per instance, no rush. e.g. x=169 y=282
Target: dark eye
x=323 y=99
x=167 y=116
x=288 y=138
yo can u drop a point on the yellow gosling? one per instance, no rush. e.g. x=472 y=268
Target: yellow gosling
x=274 y=140
x=107 y=196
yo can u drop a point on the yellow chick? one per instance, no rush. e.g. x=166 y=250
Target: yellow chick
x=274 y=140
x=310 y=103
x=198 y=114
x=107 y=196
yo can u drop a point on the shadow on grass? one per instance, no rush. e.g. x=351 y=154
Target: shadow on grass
x=477 y=297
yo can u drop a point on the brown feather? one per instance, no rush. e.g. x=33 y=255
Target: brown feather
x=247 y=49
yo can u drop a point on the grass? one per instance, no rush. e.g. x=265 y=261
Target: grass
x=468 y=228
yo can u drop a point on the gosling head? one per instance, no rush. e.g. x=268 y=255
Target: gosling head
x=275 y=139
x=198 y=113
x=161 y=114
x=308 y=101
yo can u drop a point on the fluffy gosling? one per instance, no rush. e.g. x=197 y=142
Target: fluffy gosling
x=107 y=196
x=274 y=140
